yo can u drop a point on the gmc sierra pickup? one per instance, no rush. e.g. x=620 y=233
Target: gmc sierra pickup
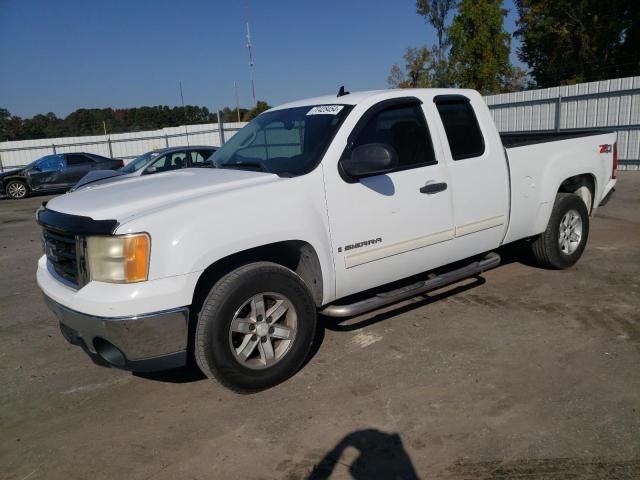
x=307 y=205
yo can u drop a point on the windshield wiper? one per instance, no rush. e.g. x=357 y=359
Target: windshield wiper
x=243 y=165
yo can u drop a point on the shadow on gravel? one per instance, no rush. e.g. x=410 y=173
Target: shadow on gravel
x=186 y=374
x=377 y=455
x=518 y=252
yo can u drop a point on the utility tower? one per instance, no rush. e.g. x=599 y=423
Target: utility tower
x=249 y=49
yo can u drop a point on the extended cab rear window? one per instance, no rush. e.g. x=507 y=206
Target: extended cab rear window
x=461 y=125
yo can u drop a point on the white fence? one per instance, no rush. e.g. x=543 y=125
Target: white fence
x=608 y=105
x=121 y=145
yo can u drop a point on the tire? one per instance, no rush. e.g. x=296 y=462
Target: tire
x=234 y=303
x=557 y=248
x=16 y=189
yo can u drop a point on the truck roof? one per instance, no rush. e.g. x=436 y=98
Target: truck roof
x=354 y=98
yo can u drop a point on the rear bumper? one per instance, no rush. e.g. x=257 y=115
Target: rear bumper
x=141 y=343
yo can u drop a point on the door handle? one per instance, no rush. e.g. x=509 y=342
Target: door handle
x=431 y=188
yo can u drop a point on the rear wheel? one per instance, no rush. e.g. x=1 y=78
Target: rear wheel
x=562 y=243
x=16 y=189
x=255 y=328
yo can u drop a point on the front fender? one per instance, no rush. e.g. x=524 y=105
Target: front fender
x=191 y=236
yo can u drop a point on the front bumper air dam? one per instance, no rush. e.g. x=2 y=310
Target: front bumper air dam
x=142 y=343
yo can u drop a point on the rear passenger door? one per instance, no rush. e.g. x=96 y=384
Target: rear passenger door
x=479 y=175
x=390 y=226
x=78 y=166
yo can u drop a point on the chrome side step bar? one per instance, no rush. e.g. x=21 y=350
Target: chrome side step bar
x=489 y=261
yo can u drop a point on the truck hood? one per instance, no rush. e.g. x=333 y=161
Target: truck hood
x=134 y=196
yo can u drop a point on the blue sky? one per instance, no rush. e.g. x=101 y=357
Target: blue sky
x=60 y=55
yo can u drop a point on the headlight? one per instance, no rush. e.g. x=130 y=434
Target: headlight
x=119 y=259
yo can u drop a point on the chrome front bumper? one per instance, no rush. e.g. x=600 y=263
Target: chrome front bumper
x=154 y=341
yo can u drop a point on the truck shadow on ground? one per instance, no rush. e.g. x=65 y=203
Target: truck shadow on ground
x=187 y=374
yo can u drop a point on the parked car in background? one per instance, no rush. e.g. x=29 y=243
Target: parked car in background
x=155 y=161
x=56 y=172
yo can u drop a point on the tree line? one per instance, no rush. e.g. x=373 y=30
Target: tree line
x=563 y=42
x=95 y=121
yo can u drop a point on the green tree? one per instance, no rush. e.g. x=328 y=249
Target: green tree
x=94 y=121
x=260 y=107
x=480 y=46
x=418 y=70
x=571 y=41
x=435 y=13
x=424 y=66
x=6 y=125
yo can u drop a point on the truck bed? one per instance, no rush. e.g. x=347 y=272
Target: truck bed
x=520 y=139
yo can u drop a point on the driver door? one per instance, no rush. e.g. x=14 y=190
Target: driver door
x=394 y=225
x=47 y=173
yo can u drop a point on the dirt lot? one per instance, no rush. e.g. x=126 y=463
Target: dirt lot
x=522 y=373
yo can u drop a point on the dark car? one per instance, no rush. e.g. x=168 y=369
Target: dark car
x=155 y=161
x=56 y=172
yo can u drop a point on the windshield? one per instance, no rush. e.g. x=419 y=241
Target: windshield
x=139 y=162
x=286 y=142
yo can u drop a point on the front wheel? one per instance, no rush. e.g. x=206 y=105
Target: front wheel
x=16 y=189
x=562 y=243
x=256 y=327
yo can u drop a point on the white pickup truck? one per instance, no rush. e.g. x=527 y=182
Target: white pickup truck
x=310 y=203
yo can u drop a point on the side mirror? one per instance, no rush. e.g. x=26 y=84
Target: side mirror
x=151 y=169
x=370 y=159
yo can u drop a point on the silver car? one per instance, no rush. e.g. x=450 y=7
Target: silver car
x=155 y=161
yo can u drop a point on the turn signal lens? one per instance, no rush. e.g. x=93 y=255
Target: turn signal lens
x=136 y=258
x=119 y=259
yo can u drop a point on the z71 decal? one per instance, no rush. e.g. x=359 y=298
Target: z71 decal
x=606 y=148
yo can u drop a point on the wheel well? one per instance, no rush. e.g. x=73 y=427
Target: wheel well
x=9 y=179
x=295 y=255
x=573 y=184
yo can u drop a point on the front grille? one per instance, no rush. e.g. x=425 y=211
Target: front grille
x=60 y=249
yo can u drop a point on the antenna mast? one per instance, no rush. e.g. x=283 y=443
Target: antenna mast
x=249 y=49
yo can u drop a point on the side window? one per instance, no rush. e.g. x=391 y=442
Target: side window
x=199 y=157
x=168 y=162
x=404 y=128
x=74 y=160
x=461 y=125
x=50 y=163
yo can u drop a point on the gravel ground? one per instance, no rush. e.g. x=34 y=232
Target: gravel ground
x=523 y=373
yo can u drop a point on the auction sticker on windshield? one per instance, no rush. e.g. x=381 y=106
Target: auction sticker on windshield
x=325 y=110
